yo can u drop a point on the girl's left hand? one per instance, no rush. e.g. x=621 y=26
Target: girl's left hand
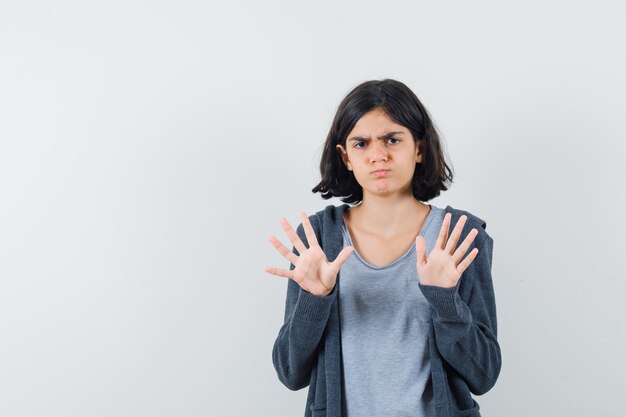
x=442 y=269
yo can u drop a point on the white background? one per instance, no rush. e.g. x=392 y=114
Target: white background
x=148 y=149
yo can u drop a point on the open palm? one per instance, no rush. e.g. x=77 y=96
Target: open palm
x=312 y=272
x=442 y=268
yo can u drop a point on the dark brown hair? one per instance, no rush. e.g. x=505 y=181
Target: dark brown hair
x=404 y=108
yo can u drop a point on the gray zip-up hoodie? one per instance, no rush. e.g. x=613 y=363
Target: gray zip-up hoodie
x=464 y=351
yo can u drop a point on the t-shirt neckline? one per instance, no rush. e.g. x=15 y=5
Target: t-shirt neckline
x=425 y=227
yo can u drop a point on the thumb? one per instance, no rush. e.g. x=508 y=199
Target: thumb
x=342 y=257
x=420 y=250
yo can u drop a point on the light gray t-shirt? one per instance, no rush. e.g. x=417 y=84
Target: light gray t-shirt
x=385 y=322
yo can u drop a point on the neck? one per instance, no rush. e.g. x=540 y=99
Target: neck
x=389 y=215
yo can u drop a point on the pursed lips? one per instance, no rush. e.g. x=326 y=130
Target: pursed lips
x=380 y=172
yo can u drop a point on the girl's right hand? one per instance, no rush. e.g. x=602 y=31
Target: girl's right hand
x=312 y=272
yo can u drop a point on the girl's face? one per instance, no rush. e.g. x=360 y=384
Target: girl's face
x=377 y=142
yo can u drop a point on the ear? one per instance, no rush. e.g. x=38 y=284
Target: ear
x=344 y=157
x=418 y=152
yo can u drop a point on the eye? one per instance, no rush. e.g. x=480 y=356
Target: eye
x=362 y=142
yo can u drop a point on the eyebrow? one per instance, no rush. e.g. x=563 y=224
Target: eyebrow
x=386 y=136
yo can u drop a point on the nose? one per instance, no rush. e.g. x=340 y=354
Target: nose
x=378 y=152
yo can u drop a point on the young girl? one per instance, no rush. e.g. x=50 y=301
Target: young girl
x=402 y=321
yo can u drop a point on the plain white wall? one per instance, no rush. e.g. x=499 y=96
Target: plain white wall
x=148 y=149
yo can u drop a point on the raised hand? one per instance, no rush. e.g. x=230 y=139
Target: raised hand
x=312 y=272
x=442 y=269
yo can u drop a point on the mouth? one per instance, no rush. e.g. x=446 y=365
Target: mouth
x=380 y=172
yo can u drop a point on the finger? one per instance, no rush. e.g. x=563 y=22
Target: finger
x=443 y=232
x=342 y=257
x=308 y=230
x=420 y=249
x=287 y=273
x=464 y=246
x=456 y=233
x=284 y=250
x=293 y=236
x=467 y=261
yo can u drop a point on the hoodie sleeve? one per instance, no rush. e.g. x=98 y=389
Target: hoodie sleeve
x=295 y=349
x=465 y=327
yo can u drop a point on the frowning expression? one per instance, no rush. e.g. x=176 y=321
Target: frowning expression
x=381 y=153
